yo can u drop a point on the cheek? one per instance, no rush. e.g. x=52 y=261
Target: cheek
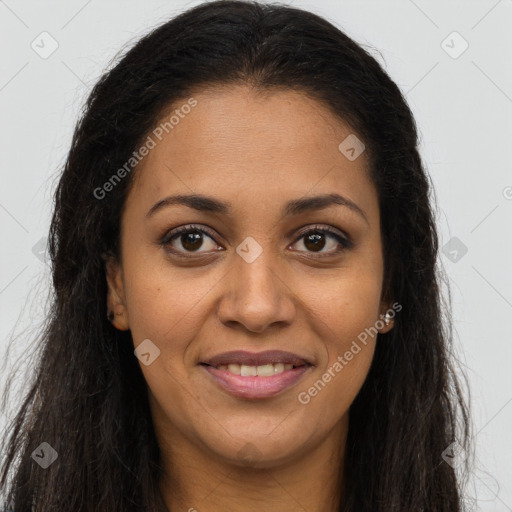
x=166 y=305
x=343 y=306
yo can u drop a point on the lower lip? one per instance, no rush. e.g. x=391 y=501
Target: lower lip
x=253 y=388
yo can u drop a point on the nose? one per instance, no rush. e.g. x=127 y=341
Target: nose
x=256 y=294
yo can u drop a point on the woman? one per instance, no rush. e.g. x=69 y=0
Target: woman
x=247 y=309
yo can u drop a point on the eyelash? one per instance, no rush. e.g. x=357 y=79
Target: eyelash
x=169 y=237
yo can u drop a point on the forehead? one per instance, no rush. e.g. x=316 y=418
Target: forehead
x=241 y=144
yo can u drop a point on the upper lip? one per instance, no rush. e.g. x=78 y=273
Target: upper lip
x=256 y=358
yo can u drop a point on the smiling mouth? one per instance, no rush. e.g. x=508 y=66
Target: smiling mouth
x=250 y=382
x=256 y=375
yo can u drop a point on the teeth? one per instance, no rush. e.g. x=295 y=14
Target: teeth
x=265 y=370
x=234 y=368
x=280 y=367
x=249 y=371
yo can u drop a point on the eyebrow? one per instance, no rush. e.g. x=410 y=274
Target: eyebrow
x=204 y=203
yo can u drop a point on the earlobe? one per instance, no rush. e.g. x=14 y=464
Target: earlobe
x=116 y=307
x=386 y=321
x=119 y=317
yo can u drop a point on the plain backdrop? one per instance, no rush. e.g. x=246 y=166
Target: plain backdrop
x=450 y=58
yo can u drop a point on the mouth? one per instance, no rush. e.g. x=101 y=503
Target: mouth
x=254 y=376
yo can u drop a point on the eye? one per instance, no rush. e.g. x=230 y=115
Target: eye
x=191 y=238
x=314 y=240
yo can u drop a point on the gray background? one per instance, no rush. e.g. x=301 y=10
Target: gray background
x=462 y=103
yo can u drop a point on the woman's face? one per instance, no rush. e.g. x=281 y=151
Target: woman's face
x=262 y=277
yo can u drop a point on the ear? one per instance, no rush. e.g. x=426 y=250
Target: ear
x=116 y=304
x=386 y=308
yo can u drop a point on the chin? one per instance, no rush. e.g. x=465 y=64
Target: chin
x=259 y=451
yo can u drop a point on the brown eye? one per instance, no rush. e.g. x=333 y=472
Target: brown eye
x=314 y=242
x=317 y=239
x=189 y=239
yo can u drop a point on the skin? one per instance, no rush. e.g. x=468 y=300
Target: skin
x=257 y=151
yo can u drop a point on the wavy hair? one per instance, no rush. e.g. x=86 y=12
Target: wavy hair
x=87 y=397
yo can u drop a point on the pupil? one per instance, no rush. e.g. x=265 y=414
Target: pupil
x=317 y=242
x=191 y=241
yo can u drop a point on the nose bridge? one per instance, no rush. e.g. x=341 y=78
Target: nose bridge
x=258 y=294
x=255 y=267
